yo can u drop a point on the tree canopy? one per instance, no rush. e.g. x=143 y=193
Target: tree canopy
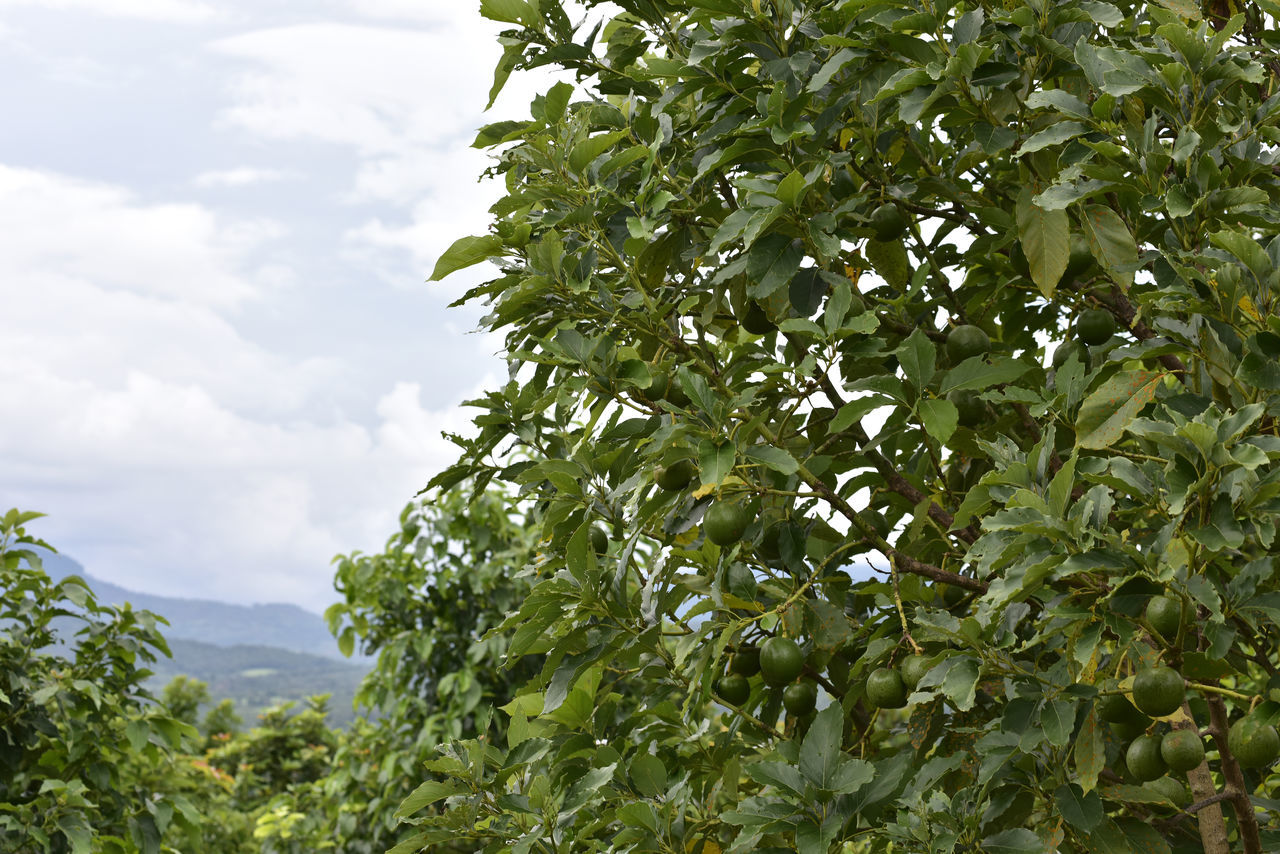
x=929 y=347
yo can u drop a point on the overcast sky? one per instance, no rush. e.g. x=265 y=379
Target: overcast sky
x=219 y=359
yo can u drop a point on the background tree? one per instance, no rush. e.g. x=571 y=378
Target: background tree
x=982 y=291
x=423 y=606
x=183 y=697
x=82 y=746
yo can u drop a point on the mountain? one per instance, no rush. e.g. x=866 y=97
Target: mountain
x=258 y=677
x=220 y=623
x=256 y=655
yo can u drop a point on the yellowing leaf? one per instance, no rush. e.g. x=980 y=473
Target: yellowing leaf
x=1105 y=413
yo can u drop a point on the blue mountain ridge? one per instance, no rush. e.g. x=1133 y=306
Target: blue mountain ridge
x=287 y=627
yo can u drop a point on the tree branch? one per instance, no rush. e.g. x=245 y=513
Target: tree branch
x=1245 y=817
x=1124 y=312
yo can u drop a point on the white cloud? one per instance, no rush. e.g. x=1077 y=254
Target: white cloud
x=242 y=176
x=177 y=11
x=100 y=232
x=408 y=101
x=232 y=507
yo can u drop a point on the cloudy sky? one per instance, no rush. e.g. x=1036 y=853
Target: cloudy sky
x=220 y=361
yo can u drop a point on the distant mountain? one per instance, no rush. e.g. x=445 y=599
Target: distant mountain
x=258 y=677
x=220 y=623
x=257 y=655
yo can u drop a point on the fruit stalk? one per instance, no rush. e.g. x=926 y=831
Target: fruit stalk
x=1245 y=816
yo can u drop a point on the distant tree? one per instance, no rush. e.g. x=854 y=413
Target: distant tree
x=426 y=606
x=286 y=749
x=82 y=745
x=183 y=697
x=221 y=720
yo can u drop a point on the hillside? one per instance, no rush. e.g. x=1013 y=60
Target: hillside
x=257 y=677
x=285 y=627
x=256 y=655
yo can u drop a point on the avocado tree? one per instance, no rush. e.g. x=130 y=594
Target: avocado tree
x=894 y=390
x=87 y=761
x=424 y=607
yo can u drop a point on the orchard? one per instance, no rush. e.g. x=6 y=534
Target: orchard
x=893 y=401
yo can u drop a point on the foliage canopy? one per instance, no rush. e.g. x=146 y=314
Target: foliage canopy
x=741 y=246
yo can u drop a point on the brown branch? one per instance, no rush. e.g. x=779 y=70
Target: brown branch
x=892 y=478
x=1218 y=798
x=1124 y=311
x=1245 y=817
x=905 y=562
x=1213 y=830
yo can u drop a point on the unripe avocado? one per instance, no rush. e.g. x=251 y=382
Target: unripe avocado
x=1158 y=691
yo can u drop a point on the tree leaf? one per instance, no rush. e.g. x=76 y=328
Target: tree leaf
x=585 y=152
x=427 y=794
x=1082 y=810
x=715 y=460
x=1052 y=135
x=775 y=458
x=977 y=374
x=1046 y=239
x=1058 y=718
x=791 y=189
x=889 y=259
x=466 y=252
x=1111 y=243
x=508 y=11
x=1017 y=840
x=917 y=355
x=961 y=681
x=940 y=417
x=1090 y=754
x=1105 y=413
x=771 y=263
x=649 y=775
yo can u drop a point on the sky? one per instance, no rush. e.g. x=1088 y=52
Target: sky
x=220 y=360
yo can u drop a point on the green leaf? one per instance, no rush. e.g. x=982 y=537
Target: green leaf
x=889 y=260
x=1016 y=840
x=1111 y=243
x=917 y=355
x=427 y=794
x=77 y=832
x=791 y=189
x=1046 y=239
x=1090 y=753
x=556 y=101
x=1060 y=100
x=509 y=11
x=771 y=263
x=961 y=681
x=940 y=418
x=1105 y=413
x=1082 y=811
x=775 y=458
x=715 y=460
x=778 y=774
x=1052 y=135
x=1058 y=718
x=466 y=252
x=976 y=374
x=649 y=775
x=823 y=763
x=586 y=151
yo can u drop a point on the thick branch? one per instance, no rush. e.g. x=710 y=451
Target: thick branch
x=892 y=479
x=1213 y=830
x=905 y=562
x=1245 y=816
x=1125 y=313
